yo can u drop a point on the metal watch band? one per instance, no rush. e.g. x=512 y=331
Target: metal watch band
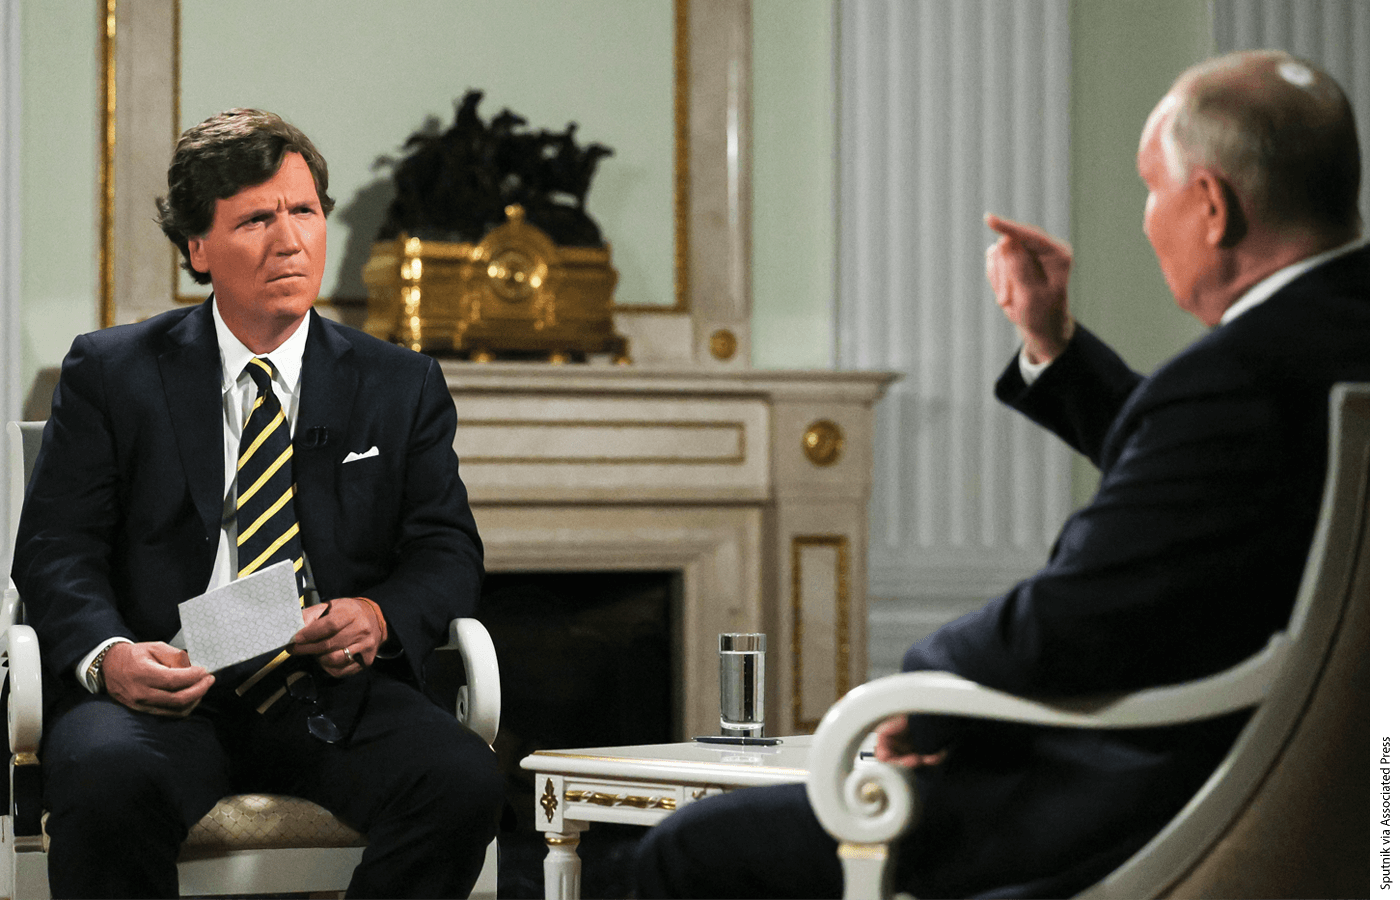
x=94 y=669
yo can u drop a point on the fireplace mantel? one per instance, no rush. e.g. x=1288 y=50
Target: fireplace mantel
x=753 y=484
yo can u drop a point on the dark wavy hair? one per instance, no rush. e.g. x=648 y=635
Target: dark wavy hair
x=220 y=157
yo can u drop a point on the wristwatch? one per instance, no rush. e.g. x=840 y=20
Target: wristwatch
x=94 y=669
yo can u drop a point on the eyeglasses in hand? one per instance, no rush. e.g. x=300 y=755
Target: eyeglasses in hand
x=302 y=686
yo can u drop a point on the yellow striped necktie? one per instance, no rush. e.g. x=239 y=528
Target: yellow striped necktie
x=267 y=519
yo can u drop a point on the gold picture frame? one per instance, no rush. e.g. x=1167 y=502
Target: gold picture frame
x=139 y=72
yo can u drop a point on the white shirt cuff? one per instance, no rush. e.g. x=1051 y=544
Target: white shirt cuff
x=86 y=661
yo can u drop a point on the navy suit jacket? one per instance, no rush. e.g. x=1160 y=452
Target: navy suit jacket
x=122 y=515
x=1186 y=560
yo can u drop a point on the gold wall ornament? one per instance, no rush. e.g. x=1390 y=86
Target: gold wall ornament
x=516 y=295
x=723 y=343
x=822 y=442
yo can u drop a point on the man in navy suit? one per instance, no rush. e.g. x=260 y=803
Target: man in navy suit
x=133 y=507
x=1189 y=555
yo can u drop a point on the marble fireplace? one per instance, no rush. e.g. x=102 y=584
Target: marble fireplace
x=753 y=486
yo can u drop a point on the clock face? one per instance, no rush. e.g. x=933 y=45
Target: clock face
x=515 y=274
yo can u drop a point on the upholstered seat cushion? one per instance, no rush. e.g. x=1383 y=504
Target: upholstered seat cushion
x=262 y=822
x=269 y=821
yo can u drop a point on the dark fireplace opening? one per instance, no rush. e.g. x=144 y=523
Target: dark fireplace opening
x=588 y=659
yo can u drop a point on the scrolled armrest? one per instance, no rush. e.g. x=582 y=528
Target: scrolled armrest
x=479 y=699
x=873 y=803
x=26 y=704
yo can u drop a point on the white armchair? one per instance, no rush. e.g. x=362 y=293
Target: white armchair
x=1283 y=815
x=249 y=843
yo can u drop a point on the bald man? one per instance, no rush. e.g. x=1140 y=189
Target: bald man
x=1189 y=555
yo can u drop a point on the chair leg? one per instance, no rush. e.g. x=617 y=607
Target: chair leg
x=868 y=871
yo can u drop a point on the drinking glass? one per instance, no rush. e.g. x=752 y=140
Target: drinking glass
x=741 y=684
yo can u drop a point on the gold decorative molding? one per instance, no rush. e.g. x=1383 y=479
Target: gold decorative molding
x=106 y=251
x=823 y=442
x=548 y=801
x=841 y=545
x=872 y=793
x=598 y=798
x=848 y=850
x=561 y=840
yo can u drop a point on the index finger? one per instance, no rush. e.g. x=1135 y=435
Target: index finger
x=1029 y=236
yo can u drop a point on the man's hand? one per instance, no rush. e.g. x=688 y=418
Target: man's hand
x=892 y=745
x=154 y=678
x=352 y=624
x=1029 y=273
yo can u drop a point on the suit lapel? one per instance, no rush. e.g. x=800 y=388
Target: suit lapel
x=329 y=385
x=191 y=377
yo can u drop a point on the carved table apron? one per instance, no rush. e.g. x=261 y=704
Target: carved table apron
x=640 y=785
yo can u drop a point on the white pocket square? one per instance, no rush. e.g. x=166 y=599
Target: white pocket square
x=351 y=457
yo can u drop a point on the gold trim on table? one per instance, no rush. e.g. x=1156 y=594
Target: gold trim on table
x=548 y=801
x=599 y=798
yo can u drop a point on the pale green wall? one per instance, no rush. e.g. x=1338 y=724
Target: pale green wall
x=1126 y=53
x=360 y=76
x=794 y=183
x=58 y=180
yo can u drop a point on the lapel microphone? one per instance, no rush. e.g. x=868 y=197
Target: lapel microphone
x=315 y=436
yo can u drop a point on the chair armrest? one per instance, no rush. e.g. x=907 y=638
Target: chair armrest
x=873 y=803
x=479 y=700
x=9 y=605
x=26 y=702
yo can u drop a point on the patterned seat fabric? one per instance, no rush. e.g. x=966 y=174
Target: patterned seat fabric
x=269 y=821
x=262 y=822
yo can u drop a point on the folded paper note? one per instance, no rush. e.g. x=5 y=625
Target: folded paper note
x=242 y=619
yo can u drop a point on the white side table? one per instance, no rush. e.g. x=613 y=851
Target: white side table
x=640 y=785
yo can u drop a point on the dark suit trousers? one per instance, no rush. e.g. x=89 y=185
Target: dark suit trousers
x=123 y=788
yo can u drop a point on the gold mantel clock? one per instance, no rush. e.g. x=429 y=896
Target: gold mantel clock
x=515 y=295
